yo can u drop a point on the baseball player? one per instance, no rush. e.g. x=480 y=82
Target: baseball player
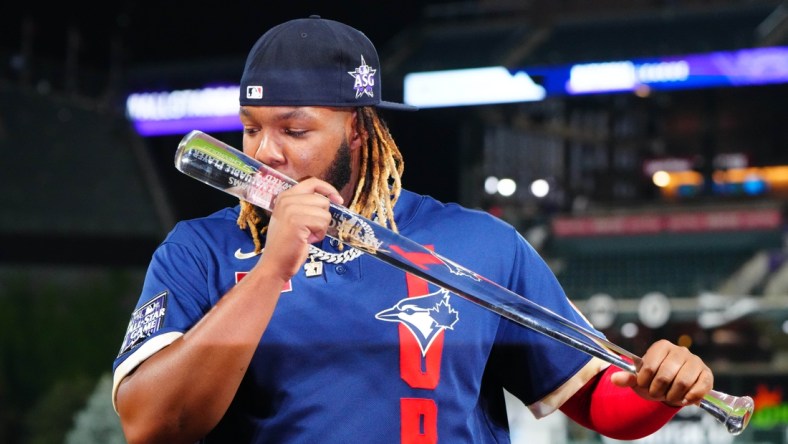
x=254 y=327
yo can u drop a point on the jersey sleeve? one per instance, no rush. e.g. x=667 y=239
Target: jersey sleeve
x=174 y=297
x=536 y=368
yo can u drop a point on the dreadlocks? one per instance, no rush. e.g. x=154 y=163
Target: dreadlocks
x=379 y=181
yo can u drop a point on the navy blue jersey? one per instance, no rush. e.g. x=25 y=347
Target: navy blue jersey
x=365 y=352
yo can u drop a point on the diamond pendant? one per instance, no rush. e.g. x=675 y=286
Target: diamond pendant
x=313 y=268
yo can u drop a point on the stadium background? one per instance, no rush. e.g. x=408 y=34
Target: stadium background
x=85 y=199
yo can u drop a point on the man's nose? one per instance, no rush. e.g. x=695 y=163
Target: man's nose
x=269 y=151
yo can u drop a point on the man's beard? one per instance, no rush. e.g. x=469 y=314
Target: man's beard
x=338 y=173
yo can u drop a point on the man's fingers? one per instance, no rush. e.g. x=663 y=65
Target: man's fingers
x=306 y=213
x=650 y=366
x=673 y=374
x=693 y=381
x=623 y=378
x=317 y=186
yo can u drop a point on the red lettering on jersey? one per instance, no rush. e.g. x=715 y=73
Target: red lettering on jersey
x=416 y=285
x=418 y=416
x=417 y=257
x=419 y=421
x=418 y=370
x=240 y=275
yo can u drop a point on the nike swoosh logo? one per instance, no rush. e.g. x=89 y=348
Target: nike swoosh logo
x=241 y=255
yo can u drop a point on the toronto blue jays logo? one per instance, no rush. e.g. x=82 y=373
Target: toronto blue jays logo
x=365 y=79
x=425 y=316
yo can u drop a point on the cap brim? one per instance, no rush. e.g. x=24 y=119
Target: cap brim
x=396 y=106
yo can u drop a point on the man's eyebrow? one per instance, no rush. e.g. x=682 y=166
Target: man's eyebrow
x=295 y=113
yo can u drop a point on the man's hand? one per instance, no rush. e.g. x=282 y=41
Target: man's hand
x=669 y=373
x=300 y=217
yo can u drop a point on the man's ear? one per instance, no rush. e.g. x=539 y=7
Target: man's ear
x=355 y=137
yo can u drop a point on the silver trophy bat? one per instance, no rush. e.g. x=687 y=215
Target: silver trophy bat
x=223 y=167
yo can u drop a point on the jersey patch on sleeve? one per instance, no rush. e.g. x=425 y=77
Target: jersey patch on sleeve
x=145 y=321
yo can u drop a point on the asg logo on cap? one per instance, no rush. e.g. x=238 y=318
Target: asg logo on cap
x=365 y=79
x=254 y=92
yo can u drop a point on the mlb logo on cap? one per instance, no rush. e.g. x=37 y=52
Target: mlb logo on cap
x=254 y=92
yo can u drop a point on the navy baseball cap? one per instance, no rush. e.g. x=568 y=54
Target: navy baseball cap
x=313 y=62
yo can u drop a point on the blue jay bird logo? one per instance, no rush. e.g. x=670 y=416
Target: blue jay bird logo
x=425 y=316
